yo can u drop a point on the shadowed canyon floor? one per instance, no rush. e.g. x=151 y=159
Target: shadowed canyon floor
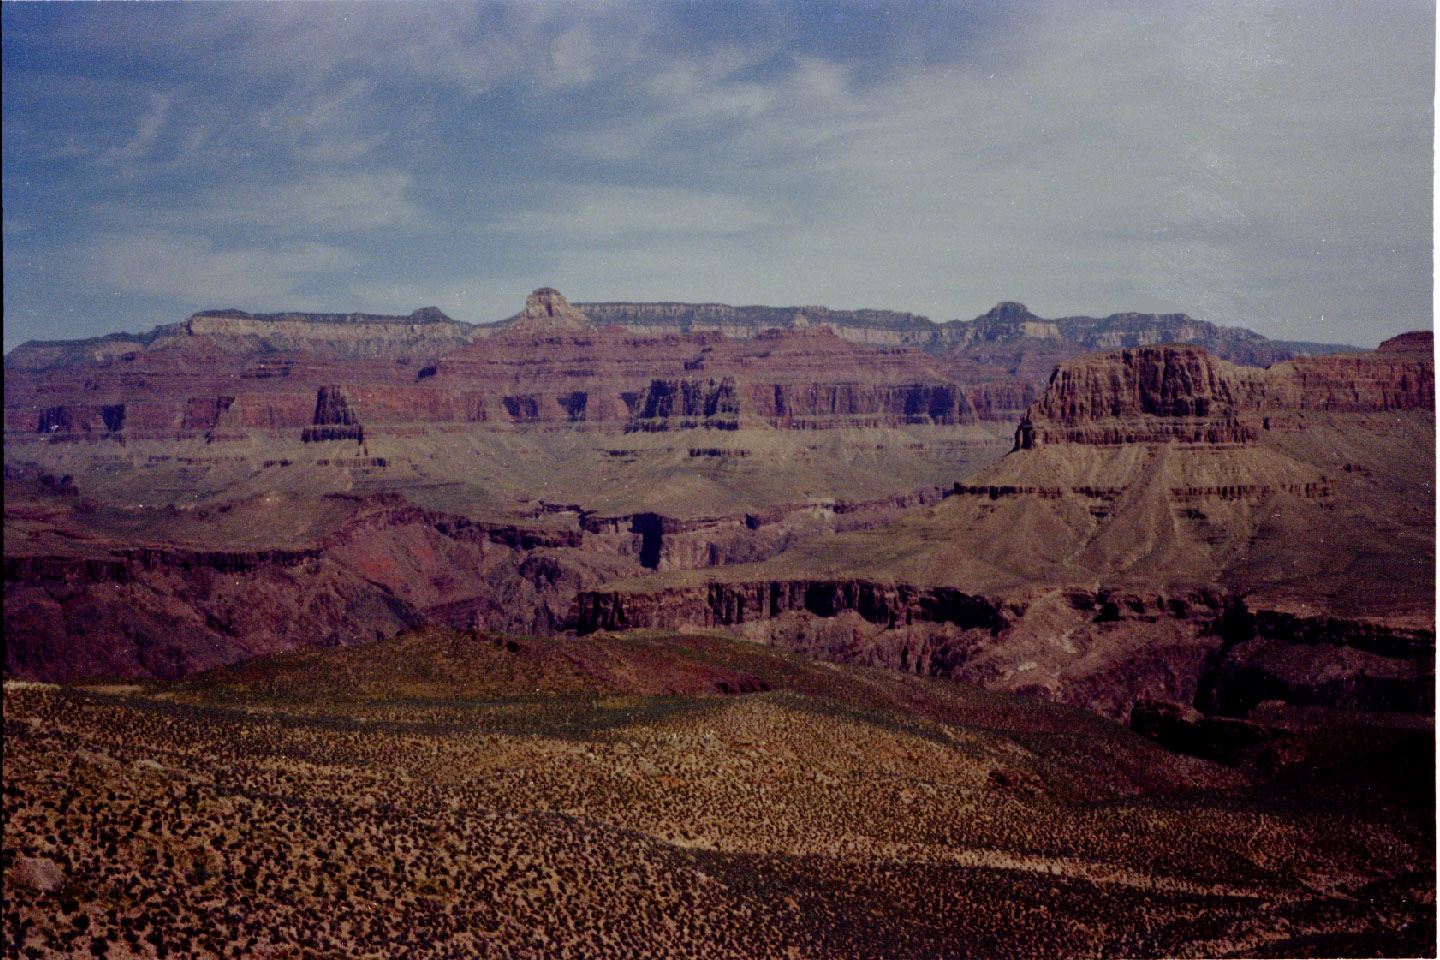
x=452 y=794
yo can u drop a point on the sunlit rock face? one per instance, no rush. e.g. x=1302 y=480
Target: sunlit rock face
x=546 y=309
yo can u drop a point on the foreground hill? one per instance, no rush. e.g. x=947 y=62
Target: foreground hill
x=450 y=794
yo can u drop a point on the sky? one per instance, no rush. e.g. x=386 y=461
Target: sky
x=1254 y=163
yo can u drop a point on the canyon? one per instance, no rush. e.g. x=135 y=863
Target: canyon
x=1151 y=494
x=246 y=484
x=814 y=632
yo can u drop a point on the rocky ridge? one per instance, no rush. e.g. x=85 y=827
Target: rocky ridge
x=422 y=333
x=1007 y=337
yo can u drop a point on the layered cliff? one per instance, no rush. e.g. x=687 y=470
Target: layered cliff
x=1117 y=647
x=1150 y=487
x=226 y=374
x=1010 y=323
x=97 y=591
x=1006 y=339
x=367 y=567
x=875 y=327
x=1305 y=490
x=426 y=332
x=1148 y=394
x=1181 y=393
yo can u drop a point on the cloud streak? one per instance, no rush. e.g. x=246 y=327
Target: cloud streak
x=192 y=270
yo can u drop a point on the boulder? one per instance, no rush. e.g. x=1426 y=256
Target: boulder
x=39 y=873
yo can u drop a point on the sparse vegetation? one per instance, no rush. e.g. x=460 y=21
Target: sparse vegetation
x=453 y=795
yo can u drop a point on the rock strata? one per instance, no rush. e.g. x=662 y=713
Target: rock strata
x=225 y=375
x=1177 y=393
x=1007 y=339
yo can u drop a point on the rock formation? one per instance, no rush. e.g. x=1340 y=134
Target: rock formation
x=1303 y=490
x=1181 y=393
x=1142 y=395
x=546 y=311
x=226 y=374
x=1006 y=339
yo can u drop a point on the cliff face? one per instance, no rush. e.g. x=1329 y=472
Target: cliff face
x=1009 y=334
x=1399 y=375
x=425 y=333
x=731 y=603
x=1008 y=339
x=558 y=363
x=1119 y=647
x=91 y=607
x=1304 y=489
x=167 y=610
x=1152 y=484
x=222 y=376
x=1182 y=394
x=1149 y=394
x=873 y=327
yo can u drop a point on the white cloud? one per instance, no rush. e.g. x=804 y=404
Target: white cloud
x=1182 y=157
x=194 y=270
x=339 y=202
x=147 y=132
x=1249 y=162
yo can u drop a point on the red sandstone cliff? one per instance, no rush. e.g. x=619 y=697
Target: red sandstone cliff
x=1180 y=393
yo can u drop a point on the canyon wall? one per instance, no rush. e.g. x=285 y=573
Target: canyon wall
x=1200 y=646
x=224 y=374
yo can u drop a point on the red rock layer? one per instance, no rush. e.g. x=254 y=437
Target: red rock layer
x=524 y=376
x=1179 y=393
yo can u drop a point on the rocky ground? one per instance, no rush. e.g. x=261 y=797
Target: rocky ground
x=453 y=795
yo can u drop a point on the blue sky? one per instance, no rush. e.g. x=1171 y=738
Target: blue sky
x=1263 y=164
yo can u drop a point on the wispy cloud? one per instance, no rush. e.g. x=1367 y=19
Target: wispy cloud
x=193 y=270
x=147 y=132
x=589 y=215
x=326 y=202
